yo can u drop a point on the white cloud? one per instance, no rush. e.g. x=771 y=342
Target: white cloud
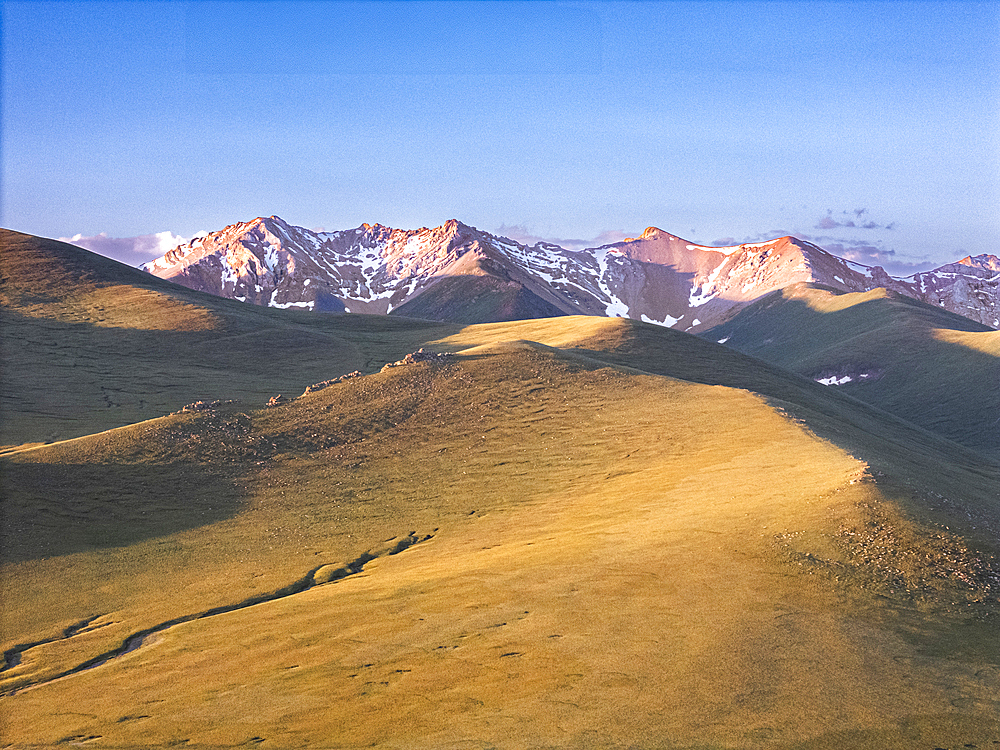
x=133 y=251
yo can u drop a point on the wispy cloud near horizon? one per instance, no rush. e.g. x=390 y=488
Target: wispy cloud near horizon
x=844 y=220
x=133 y=251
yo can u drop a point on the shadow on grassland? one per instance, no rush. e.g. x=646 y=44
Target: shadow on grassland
x=915 y=456
x=51 y=509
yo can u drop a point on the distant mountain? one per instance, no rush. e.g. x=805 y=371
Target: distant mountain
x=970 y=287
x=982 y=262
x=458 y=273
x=371 y=269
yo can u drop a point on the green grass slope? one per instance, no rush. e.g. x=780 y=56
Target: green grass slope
x=89 y=344
x=934 y=368
x=577 y=532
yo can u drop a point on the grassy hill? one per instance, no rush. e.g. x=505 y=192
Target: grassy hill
x=89 y=344
x=929 y=366
x=574 y=532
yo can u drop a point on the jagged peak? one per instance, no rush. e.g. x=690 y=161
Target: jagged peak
x=261 y=220
x=653 y=233
x=375 y=228
x=454 y=225
x=456 y=231
x=277 y=220
x=789 y=239
x=784 y=239
x=984 y=261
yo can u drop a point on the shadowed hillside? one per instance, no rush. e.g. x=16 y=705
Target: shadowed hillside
x=514 y=545
x=478 y=299
x=934 y=368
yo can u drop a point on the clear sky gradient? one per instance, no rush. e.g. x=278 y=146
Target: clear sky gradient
x=871 y=128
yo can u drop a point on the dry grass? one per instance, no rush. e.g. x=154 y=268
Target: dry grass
x=931 y=367
x=615 y=559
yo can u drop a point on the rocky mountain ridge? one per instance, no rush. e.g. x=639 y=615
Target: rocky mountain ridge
x=457 y=272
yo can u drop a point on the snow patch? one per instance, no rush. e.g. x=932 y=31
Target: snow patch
x=846 y=374
x=271 y=258
x=834 y=380
x=706 y=290
x=228 y=273
x=668 y=322
x=615 y=308
x=723 y=250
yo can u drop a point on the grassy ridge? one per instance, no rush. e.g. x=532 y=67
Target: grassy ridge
x=926 y=365
x=89 y=344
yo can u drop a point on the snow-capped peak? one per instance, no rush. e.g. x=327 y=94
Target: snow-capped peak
x=657 y=277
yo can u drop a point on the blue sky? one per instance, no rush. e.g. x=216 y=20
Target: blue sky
x=871 y=128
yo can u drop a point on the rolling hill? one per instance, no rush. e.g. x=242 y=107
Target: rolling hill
x=929 y=366
x=89 y=344
x=572 y=532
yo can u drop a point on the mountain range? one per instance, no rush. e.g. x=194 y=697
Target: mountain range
x=458 y=273
x=230 y=525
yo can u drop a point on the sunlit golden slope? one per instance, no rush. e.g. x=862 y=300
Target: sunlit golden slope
x=518 y=545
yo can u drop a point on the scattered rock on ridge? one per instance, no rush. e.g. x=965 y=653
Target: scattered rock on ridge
x=418 y=356
x=333 y=381
x=205 y=405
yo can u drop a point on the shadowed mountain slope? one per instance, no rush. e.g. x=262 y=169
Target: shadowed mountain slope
x=934 y=368
x=479 y=292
